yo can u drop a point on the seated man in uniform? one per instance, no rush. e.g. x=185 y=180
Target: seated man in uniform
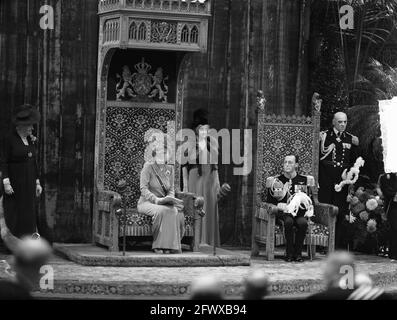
x=282 y=190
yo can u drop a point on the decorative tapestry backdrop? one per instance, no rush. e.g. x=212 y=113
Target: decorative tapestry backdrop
x=279 y=136
x=125 y=145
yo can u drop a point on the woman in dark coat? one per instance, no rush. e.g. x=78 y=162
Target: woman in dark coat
x=20 y=174
x=388 y=186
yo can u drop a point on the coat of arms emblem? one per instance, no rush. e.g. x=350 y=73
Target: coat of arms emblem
x=142 y=85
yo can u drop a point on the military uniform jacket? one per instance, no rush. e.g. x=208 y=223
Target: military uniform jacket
x=337 y=149
x=291 y=186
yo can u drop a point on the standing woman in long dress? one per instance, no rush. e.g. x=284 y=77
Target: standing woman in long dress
x=20 y=176
x=202 y=179
x=157 y=185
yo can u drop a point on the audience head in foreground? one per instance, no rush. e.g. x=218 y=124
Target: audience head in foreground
x=337 y=265
x=343 y=283
x=206 y=288
x=29 y=255
x=256 y=285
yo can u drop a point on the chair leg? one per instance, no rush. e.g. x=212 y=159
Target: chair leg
x=311 y=251
x=114 y=247
x=193 y=245
x=196 y=236
x=269 y=256
x=269 y=251
x=254 y=249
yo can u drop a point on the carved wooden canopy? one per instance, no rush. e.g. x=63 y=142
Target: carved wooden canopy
x=180 y=25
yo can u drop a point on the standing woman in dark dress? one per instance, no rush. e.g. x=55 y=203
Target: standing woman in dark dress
x=20 y=174
x=388 y=186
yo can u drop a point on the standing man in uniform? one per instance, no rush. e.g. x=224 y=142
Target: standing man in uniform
x=337 y=148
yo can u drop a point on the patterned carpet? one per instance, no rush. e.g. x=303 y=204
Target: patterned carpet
x=288 y=279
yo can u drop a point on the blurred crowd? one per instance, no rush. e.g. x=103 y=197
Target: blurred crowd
x=338 y=283
x=29 y=255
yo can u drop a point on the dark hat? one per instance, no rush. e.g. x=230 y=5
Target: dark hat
x=26 y=114
x=200 y=117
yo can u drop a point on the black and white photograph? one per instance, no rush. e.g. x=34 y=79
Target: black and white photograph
x=193 y=156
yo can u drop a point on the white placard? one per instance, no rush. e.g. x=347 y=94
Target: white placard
x=388 y=126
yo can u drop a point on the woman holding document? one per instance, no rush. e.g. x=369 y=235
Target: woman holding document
x=158 y=201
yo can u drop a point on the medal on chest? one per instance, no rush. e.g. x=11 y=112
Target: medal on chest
x=300 y=188
x=165 y=170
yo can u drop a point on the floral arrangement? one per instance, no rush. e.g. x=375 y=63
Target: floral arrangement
x=33 y=138
x=367 y=221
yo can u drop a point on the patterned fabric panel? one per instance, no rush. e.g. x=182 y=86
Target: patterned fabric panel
x=279 y=239
x=279 y=141
x=319 y=235
x=282 y=140
x=124 y=147
x=141 y=225
x=317 y=240
x=319 y=229
x=146 y=231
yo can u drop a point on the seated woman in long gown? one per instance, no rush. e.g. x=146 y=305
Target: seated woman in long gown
x=158 y=201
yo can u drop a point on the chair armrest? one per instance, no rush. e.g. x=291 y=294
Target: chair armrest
x=191 y=202
x=266 y=209
x=183 y=195
x=324 y=213
x=109 y=201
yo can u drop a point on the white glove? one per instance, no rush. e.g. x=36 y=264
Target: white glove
x=39 y=190
x=282 y=206
x=8 y=189
x=310 y=212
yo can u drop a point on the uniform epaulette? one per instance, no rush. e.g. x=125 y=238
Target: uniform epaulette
x=310 y=181
x=269 y=181
x=352 y=136
x=323 y=135
x=355 y=140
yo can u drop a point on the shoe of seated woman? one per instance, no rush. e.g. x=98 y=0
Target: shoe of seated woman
x=158 y=251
